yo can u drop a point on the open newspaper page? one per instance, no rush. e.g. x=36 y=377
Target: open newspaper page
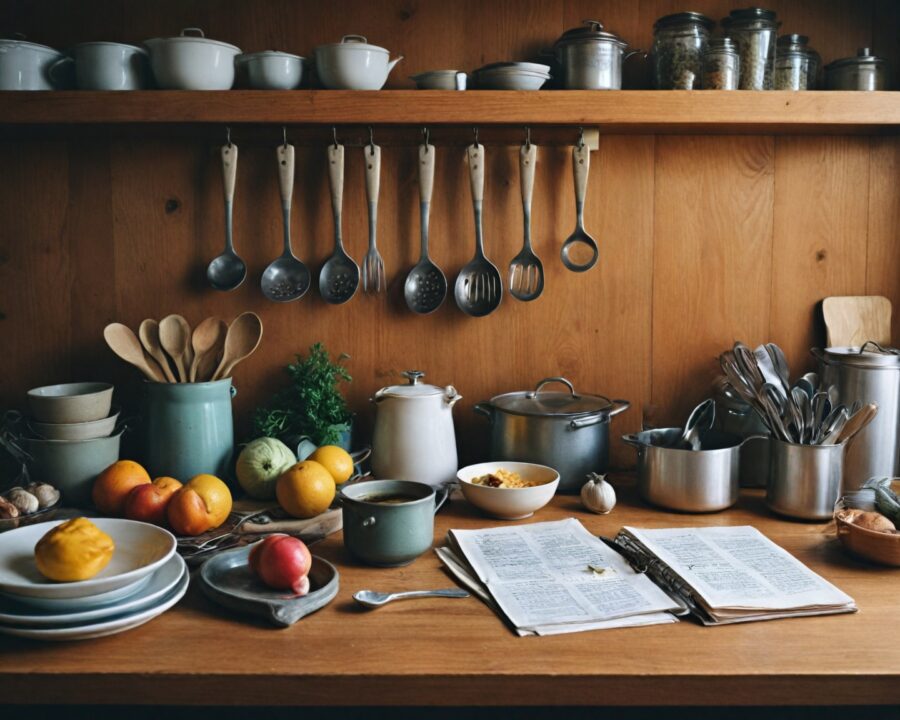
x=737 y=574
x=556 y=574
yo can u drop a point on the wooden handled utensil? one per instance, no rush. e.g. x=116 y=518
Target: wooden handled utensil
x=124 y=343
x=207 y=341
x=241 y=340
x=149 y=335
x=175 y=338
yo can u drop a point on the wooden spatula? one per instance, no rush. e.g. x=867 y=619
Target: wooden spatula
x=854 y=320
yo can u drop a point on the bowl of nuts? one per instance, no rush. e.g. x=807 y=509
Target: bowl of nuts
x=20 y=506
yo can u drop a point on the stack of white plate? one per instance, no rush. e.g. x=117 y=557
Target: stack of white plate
x=144 y=579
x=512 y=76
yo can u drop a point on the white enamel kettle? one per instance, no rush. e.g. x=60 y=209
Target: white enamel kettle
x=414 y=437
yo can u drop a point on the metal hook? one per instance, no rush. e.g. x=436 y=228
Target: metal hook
x=284 y=134
x=371 y=141
x=528 y=138
x=228 y=136
x=475 y=130
x=580 y=138
x=427 y=136
x=334 y=135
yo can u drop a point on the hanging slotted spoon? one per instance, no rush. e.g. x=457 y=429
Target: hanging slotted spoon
x=526 y=273
x=579 y=241
x=479 y=288
x=426 y=286
x=340 y=275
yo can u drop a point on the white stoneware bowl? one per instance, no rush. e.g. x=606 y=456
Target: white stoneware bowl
x=75 y=431
x=440 y=80
x=271 y=70
x=26 y=65
x=509 y=503
x=70 y=402
x=192 y=62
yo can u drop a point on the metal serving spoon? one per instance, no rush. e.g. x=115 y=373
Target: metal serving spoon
x=700 y=420
x=581 y=164
x=339 y=278
x=375 y=599
x=227 y=271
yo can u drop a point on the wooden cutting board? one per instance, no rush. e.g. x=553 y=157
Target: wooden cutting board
x=854 y=320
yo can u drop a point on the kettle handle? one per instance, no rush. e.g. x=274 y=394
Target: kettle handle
x=484 y=409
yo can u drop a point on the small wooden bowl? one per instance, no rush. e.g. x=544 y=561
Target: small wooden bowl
x=879 y=547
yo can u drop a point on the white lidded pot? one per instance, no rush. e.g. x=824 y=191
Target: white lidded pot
x=192 y=61
x=353 y=64
x=414 y=437
x=26 y=65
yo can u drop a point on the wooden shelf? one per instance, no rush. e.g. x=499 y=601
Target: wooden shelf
x=628 y=111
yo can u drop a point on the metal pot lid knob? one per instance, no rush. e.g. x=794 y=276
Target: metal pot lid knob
x=413 y=376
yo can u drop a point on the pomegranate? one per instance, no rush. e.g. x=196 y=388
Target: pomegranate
x=282 y=562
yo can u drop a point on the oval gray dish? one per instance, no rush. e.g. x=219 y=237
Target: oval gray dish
x=226 y=579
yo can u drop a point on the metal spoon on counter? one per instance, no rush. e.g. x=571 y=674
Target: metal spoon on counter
x=286 y=278
x=426 y=286
x=339 y=277
x=374 y=599
x=579 y=240
x=227 y=271
x=526 y=273
x=148 y=332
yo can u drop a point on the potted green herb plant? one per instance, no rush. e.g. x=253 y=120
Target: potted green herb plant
x=312 y=405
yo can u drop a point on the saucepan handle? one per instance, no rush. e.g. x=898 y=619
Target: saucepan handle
x=619 y=406
x=484 y=409
x=632 y=439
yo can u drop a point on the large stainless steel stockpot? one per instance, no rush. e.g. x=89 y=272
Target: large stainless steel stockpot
x=687 y=480
x=869 y=375
x=591 y=58
x=567 y=431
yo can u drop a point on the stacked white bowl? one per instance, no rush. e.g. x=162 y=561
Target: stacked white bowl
x=512 y=76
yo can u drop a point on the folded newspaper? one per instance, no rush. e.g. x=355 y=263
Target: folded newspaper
x=555 y=577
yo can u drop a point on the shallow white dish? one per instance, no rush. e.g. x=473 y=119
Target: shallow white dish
x=161 y=583
x=509 y=503
x=141 y=549
x=108 y=627
x=62 y=605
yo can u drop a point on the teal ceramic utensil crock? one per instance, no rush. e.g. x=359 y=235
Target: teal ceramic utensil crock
x=188 y=429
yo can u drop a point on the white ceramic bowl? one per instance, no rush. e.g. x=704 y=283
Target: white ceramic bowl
x=140 y=549
x=26 y=65
x=271 y=70
x=440 y=80
x=353 y=64
x=189 y=62
x=509 y=503
x=70 y=402
x=75 y=431
x=510 y=79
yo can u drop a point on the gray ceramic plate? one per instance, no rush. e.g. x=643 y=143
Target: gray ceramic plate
x=226 y=579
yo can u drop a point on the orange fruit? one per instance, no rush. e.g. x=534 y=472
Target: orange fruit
x=305 y=489
x=201 y=505
x=112 y=486
x=335 y=460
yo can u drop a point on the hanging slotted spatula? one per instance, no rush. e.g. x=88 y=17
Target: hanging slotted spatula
x=526 y=273
x=339 y=277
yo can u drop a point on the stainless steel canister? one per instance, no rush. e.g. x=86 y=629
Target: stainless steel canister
x=736 y=417
x=863 y=72
x=805 y=480
x=868 y=375
x=567 y=431
x=591 y=58
x=703 y=480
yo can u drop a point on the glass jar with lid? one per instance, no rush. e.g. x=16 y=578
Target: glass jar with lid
x=754 y=31
x=678 y=44
x=721 y=65
x=796 y=63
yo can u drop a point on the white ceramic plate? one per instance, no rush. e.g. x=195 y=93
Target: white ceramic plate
x=141 y=549
x=162 y=582
x=108 y=627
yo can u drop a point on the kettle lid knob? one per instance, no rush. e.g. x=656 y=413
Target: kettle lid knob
x=413 y=376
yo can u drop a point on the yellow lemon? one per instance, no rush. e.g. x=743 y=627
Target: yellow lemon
x=305 y=489
x=74 y=550
x=335 y=460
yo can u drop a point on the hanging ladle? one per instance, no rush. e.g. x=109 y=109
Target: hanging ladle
x=579 y=241
x=227 y=271
x=339 y=277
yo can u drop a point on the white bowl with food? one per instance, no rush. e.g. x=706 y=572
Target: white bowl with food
x=508 y=490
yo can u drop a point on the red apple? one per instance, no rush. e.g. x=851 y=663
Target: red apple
x=149 y=502
x=282 y=562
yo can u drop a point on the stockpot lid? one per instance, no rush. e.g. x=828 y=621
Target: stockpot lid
x=414 y=389
x=868 y=355
x=354 y=42
x=863 y=57
x=544 y=403
x=591 y=31
x=199 y=39
x=684 y=18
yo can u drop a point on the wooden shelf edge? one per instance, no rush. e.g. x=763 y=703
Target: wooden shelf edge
x=624 y=110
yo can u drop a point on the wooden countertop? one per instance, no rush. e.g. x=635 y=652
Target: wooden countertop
x=457 y=652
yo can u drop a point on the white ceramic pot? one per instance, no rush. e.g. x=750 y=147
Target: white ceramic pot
x=26 y=65
x=191 y=62
x=414 y=437
x=353 y=64
x=271 y=70
x=440 y=80
x=108 y=66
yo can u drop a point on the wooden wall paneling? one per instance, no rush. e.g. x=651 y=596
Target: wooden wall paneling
x=711 y=261
x=883 y=256
x=821 y=205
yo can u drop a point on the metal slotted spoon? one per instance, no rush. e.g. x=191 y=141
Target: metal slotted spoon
x=373 y=264
x=478 y=289
x=339 y=277
x=526 y=273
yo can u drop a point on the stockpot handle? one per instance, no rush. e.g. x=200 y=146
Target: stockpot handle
x=632 y=439
x=484 y=409
x=546 y=381
x=818 y=354
x=618 y=407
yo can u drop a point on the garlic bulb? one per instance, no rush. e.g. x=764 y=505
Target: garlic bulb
x=597 y=495
x=47 y=495
x=25 y=502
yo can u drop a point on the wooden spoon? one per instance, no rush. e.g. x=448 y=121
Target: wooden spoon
x=175 y=337
x=149 y=334
x=207 y=340
x=124 y=343
x=242 y=339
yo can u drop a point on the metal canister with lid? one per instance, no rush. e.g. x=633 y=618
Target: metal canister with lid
x=736 y=417
x=590 y=57
x=678 y=44
x=754 y=30
x=863 y=72
x=721 y=65
x=796 y=63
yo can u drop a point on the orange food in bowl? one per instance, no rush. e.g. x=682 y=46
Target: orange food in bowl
x=112 y=486
x=201 y=505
